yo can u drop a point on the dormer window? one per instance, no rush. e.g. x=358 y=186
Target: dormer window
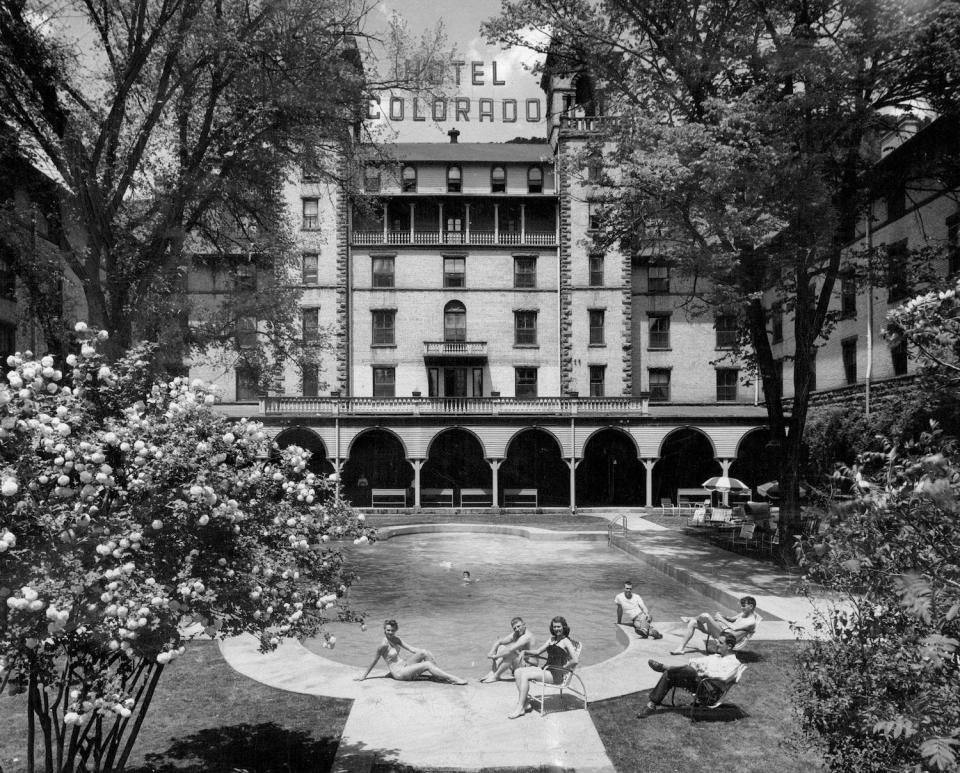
x=498 y=180
x=408 y=179
x=454 y=179
x=535 y=180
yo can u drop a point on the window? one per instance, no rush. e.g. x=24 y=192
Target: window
x=371 y=179
x=454 y=179
x=535 y=180
x=384 y=382
x=596 y=326
x=311 y=265
x=776 y=324
x=848 y=295
x=726 y=325
x=247 y=332
x=383 y=271
x=658 y=280
x=525 y=271
x=384 y=327
x=498 y=180
x=659 y=385
x=659 y=331
x=245 y=279
x=311 y=379
x=454 y=272
x=597 y=374
x=727 y=379
x=408 y=179
x=848 y=349
x=898 y=355
x=596 y=270
x=525 y=382
x=248 y=385
x=898 y=287
x=525 y=328
x=594 y=216
x=953 y=244
x=311 y=214
x=311 y=325
x=594 y=169
x=454 y=322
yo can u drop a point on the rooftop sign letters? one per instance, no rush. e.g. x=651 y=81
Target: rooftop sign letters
x=460 y=108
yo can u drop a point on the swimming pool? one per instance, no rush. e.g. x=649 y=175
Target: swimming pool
x=416 y=579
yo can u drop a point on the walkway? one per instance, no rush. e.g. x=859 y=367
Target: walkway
x=428 y=725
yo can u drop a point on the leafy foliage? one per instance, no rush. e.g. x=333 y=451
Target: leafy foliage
x=130 y=510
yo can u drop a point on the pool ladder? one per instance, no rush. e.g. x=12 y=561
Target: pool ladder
x=613 y=524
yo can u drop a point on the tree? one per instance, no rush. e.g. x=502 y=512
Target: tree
x=171 y=130
x=741 y=152
x=128 y=510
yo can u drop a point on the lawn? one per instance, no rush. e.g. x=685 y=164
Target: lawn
x=207 y=717
x=752 y=733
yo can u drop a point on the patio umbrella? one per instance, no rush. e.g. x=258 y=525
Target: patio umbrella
x=771 y=489
x=725 y=485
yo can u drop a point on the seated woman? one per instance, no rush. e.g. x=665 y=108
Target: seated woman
x=422 y=662
x=561 y=653
x=714 y=625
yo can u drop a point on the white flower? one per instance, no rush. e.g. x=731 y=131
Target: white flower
x=80 y=327
x=9 y=487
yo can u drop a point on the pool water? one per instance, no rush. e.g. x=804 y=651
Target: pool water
x=416 y=579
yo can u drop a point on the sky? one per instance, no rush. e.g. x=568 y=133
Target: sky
x=462 y=19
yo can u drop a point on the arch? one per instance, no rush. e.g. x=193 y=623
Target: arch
x=377 y=460
x=455 y=459
x=584 y=93
x=455 y=321
x=535 y=179
x=754 y=463
x=310 y=441
x=408 y=179
x=443 y=430
x=498 y=179
x=454 y=178
x=687 y=459
x=610 y=472
x=534 y=459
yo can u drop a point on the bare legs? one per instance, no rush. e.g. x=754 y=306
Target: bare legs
x=523 y=677
x=499 y=666
x=423 y=663
x=704 y=623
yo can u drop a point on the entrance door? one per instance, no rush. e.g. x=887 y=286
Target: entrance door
x=455 y=382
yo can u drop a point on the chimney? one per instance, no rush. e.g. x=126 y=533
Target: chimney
x=453 y=134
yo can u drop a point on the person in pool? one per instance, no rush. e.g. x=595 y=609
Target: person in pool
x=561 y=653
x=422 y=662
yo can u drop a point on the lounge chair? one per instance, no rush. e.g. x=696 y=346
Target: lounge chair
x=570 y=683
x=709 y=692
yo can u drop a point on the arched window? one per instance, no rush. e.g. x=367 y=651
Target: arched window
x=408 y=179
x=535 y=180
x=455 y=321
x=454 y=179
x=498 y=180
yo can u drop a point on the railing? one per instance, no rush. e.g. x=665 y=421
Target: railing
x=455 y=348
x=533 y=238
x=439 y=406
x=591 y=123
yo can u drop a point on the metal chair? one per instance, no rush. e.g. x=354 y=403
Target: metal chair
x=709 y=692
x=571 y=682
x=744 y=536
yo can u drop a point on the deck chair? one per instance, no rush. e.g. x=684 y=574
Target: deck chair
x=709 y=692
x=744 y=536
x=742 y=636
x=666 y=504
x=570 y=683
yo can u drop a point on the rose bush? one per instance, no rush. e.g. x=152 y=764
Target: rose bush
x=132 y=518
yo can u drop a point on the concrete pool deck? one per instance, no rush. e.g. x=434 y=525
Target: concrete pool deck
x=430 y=725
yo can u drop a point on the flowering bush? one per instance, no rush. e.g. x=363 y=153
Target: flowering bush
x=130 y=510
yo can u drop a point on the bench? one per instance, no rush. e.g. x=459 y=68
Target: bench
x=436 y=497
x=476 y=497
x=520 y=497
x=388 y=497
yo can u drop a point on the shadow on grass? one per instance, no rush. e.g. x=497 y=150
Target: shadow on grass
x=261 y=748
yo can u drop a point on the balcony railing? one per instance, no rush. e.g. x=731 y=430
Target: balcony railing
x=531 y=238
x=445 y=406
x=454 y=348
x=591 y=123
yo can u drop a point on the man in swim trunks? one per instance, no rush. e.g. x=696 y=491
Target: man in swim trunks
x=505 y=652
x=632 y=611
x=715 y=625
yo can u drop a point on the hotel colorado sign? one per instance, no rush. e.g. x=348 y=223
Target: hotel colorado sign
x=459 y=108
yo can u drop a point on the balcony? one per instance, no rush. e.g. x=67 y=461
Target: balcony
x=454 y=406
x=441 y=238
x=455 y=349
x=588 y=123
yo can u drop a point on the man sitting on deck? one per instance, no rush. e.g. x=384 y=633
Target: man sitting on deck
x=632 y=611
x=715 y=625
x=506 y=651
x=722 y=665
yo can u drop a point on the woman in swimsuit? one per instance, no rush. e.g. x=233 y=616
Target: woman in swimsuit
x=561 y=653
x=421 y=663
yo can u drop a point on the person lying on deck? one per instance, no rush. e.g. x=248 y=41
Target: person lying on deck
x=739 y=625
x=421 y=664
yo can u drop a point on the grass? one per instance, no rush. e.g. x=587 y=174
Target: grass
x=207 y=717
x=750 y=734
